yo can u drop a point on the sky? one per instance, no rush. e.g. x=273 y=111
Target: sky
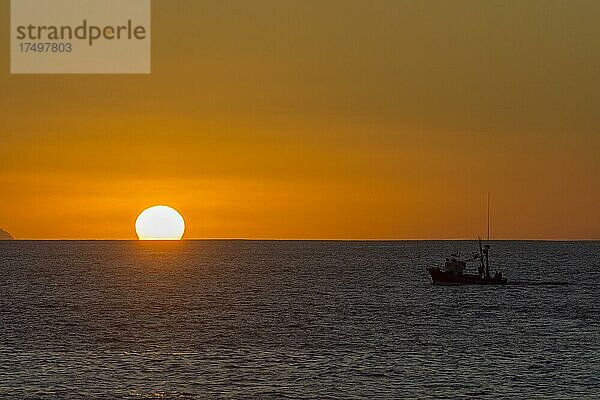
x=333 y=119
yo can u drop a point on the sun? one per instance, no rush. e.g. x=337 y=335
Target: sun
x=160 y=223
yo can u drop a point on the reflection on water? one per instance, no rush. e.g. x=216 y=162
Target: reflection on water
x=296 y=319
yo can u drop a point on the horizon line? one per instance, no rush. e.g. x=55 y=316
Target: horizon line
x=303 y=240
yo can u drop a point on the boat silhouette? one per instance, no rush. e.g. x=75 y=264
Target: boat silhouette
x=453 y=271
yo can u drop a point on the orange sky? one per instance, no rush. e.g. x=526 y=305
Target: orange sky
x=305 y=119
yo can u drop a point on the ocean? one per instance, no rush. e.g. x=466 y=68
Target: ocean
x=295 y=319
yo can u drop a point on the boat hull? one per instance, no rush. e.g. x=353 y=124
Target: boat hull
x=440 y=277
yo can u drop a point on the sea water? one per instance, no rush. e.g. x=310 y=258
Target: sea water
x=295 y=319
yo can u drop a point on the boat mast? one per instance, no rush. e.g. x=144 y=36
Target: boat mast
x=481 y=257
x=487 y=246
x=488 y=216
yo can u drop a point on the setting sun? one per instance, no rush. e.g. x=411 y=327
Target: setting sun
x=160 y=223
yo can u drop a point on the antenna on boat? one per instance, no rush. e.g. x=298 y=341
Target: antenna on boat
x=486 y=250
x=488 y=217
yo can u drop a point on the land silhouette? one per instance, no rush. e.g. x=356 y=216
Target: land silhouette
x=5 y=235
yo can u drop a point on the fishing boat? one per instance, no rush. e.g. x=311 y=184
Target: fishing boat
x=453 y=271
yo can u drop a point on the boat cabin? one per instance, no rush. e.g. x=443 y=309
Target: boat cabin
x=456 y=267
